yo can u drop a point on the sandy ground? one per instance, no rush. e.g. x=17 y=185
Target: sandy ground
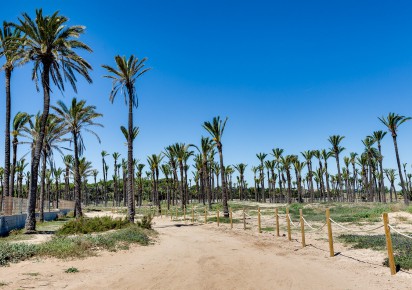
x=211 y=257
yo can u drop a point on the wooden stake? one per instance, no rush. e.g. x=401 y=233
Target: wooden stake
x=277 y=222
x=302 y=228
x=391 y=259
x=244 y=219
x=288 y=224
x=330 y=237
x=231 y=222
x=205 y=215
x=259 y=222
x=217 y=217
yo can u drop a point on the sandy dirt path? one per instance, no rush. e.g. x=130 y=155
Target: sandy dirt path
x=207 y=257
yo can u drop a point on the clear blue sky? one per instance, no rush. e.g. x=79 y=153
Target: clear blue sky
x=287 y=73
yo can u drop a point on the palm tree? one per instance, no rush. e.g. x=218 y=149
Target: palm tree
x=216 y=129
x=95 y=172
x=286 y=164
x=378 y=137
x=57 y=172
x=392 y=122
x=104 y=165
x=11 y=49
x=261 y=157
x=154 y=163
x=298 y=169
x=165 y=168
x=277 y=154
x=124 y=78
x=68 y=161
x=19 y=121
x=335 y=140
x=51 y=45
x=179 y=150
x=353 y=162
x=77 y=118
x=326 y=155
x=318 y=155
x=391 y=175
x=255 y=170
x=308 y=155
x=241 y=167
x=140 y=183
x=1 y=187
x=116 y=156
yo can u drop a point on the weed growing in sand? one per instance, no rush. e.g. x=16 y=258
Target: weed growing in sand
x=35 y=274
x=72 y=270
x=402 y=247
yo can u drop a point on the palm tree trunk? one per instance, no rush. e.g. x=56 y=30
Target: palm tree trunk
x=7 y=136
x=339 y=176
x=404 y=192
x=182 y=194
x=131 y=210
x=31 y=206
x=42 y=186
x=77 y=180
x=224 y=188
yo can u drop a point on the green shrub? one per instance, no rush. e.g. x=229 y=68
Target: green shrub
x=72 y=270
x=92 y=225
x=11 y=253
x=402 y=247
x=146 y=222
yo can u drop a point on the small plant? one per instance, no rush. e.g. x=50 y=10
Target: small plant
x=72 y=270
x=146 y=222
x=32 y=274
x=2 y=283
x=92 y=225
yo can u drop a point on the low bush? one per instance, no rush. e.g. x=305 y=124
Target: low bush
x=64 y=247
x=402 y=247
x=146 y=222
x=14 y=252
x=92 y=225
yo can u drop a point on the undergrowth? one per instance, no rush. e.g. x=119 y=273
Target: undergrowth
x=402 y=247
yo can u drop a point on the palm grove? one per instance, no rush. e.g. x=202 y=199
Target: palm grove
x=51 y=46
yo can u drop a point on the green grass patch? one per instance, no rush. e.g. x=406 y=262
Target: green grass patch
x=268 y=229
x=92 y=225
x=223 y=220
x=14 y=252
x=72 y=270
x=402 y=247
x=35 y=274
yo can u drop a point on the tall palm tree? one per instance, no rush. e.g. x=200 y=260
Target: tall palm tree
x=377 y=137
x=354 y=176
x=261 y=157
x=140 y=183
x=11 y=50
x=124 y=78
x=76 y=118
x=298 y=169
x=335 y=140
x=154 y=163
x=19 y=121
x=1 y=187
x=277 y=154
x=216 y=129
x=104 y=165
x=318 y=155
x=179 y=150
x=57 y=172
x=326 y=154
x=391 y=175
x=392 y=122
x=286 y=162
x=95 y=172
x=241 y=167
x=68 y=161
x=115 y=156
x=165 y=168
x=308 y=155
x=51 y=45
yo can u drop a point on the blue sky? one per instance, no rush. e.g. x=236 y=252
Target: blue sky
x=287 y=73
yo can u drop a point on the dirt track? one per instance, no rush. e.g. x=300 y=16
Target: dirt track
x=207 y=257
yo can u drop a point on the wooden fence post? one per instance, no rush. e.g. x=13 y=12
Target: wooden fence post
x=288 y=224
x=217 y=217
x=302 y=228
x=205 y=215
x=244 y=219
x=277 y=221
x=259 y=222
x=231 y=221
x=391 y=259
x=330 y=237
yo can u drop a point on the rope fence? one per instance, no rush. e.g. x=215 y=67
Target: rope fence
x=271 y=220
